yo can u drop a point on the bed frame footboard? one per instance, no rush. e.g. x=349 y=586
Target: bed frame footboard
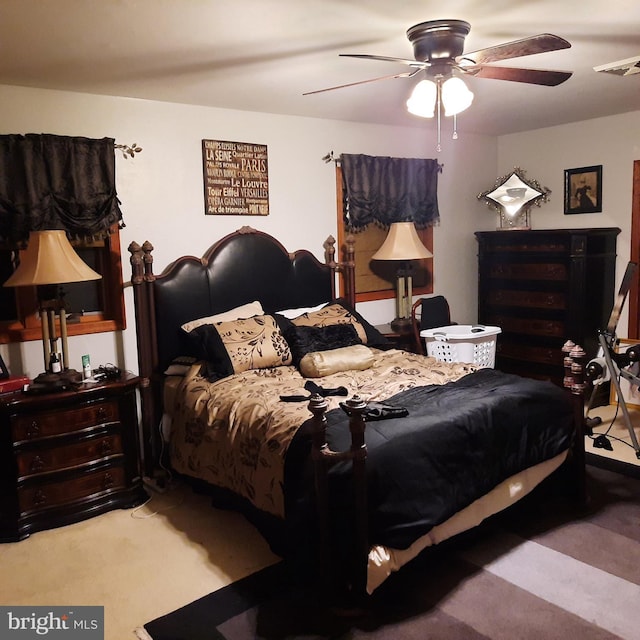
x=323 y=457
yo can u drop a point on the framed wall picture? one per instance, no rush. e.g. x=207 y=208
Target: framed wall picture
x=583 y=190
x=236 y=178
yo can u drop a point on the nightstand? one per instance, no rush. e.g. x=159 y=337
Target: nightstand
x=401 y=339
x=67 y=456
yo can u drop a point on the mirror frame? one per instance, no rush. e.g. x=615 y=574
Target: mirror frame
x=514 y=208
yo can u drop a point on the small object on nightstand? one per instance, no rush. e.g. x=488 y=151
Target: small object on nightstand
x=54 y=363
x=106 y=372
x=13 y=383
x=86 y=367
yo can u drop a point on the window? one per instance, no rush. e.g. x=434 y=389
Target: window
x=92 y=307
x=376 y=280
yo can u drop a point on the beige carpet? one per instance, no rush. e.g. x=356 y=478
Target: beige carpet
x=138 y=565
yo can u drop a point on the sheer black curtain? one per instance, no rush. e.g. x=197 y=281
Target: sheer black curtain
x=56 y=182
x=384 y=190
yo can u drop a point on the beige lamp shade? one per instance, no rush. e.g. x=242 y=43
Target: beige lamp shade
x=402 y=243
x=50 y=259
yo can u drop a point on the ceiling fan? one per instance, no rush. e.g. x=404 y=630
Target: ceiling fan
x=438 y=47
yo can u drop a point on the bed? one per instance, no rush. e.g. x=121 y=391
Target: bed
x=260 y=383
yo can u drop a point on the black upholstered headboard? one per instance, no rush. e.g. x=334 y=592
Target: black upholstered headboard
x=244 y=266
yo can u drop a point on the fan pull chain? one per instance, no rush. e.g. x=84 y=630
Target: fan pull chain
x=455 y=127
x=438 y=110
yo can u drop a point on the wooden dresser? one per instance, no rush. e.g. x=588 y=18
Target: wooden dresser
x=543 y=287
x=67 y=456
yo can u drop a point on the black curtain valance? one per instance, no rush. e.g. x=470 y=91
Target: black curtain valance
x=56 y=182
x=384 y=190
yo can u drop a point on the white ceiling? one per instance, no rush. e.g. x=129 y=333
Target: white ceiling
x=262 y=55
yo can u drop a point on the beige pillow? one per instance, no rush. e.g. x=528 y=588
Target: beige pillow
x=331 y=314
x=242 y=312
x=323 y=363
x=252 y=343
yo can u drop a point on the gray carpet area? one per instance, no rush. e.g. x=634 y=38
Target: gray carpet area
x=542 y=570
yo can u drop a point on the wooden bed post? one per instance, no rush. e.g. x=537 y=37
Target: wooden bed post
x=346 y=268
x=318 y=407
x=358 y=454
x=142 y=278
x=349 y=269
x=574 y=382
x=323 y=457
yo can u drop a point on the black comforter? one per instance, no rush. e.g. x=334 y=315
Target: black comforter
x=458 y=442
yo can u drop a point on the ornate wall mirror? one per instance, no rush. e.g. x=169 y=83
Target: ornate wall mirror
x=512 y=197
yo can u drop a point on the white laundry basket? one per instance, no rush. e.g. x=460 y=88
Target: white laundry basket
x=463 y=343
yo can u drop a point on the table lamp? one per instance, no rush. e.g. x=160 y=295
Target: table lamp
x=403 y=245
x=50 y=260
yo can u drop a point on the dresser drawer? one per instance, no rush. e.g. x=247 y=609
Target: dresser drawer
x=539 y=246
x=542 y=355
x=528 y=271
x=54 y=494
x=528 y=326
x=528 y=299
x=27 y=427
x=67 y=456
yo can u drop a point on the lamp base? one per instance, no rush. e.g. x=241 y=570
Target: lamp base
x=401 y=325
x=51 y=382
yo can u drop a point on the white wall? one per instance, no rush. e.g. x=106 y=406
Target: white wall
x=613 y=142
x=161 y=190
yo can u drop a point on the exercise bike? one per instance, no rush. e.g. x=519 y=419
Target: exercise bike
x=609 y=365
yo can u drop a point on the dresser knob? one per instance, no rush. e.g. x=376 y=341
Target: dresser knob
x=108 y=481
x=102 y=414
x=105 y=447
x=33 y=430
x=39 y=498
x=37 y=464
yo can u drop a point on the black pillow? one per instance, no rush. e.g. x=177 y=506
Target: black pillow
x=211 y=349
x=303 y=340
x=374 y=337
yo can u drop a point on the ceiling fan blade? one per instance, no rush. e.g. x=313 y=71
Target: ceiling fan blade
x=406 y=74
x=366 y=56
x=532 y=76
x=517 y=48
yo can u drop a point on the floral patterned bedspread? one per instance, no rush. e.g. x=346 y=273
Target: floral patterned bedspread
x=234 y=433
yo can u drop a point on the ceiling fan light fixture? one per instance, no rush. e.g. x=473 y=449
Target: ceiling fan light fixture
x=423 y=99
x=456 y=96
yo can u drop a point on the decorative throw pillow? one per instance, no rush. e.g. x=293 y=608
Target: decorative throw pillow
x=332 y=314
x=304 y=339
x=243 y=311
x=240 y=345
x=374 y=337
x=317 y=364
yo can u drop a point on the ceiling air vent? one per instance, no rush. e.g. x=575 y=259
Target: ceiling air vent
x=627 y=67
